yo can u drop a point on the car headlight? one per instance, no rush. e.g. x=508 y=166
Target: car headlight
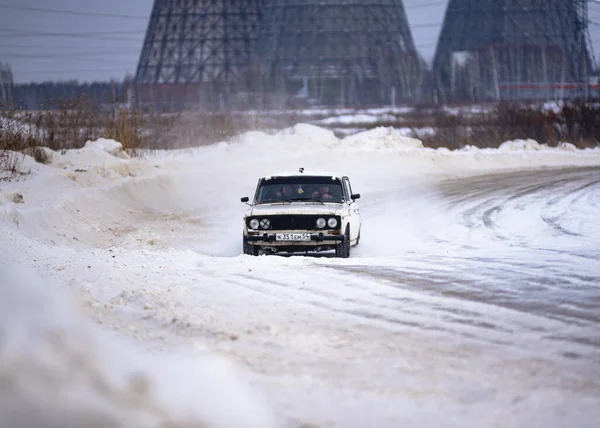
x=332 y=222
x=265 y=223
x=321 y=223
x=254 y=223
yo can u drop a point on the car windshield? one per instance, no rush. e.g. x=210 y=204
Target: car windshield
x=299 y=188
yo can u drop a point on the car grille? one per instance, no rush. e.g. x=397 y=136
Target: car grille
x=294 y=222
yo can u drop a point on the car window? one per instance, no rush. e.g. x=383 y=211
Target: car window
x=300 y=188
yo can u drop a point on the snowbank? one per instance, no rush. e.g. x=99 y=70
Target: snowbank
x=111 y=147
x=381 y=138
x=309 y=141
x=94 y=153
x=58 y=370
x=532 y=145
x=301 y=137
x=528 y=144
x=305 y=139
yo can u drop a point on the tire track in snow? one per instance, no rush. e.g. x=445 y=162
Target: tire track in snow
x=569 y=198
x=516 y=192
x=384 y=298
x=552 y=273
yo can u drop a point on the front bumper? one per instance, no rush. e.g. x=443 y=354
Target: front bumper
x=314 y=237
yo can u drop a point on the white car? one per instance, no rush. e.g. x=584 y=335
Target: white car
x=302 y=212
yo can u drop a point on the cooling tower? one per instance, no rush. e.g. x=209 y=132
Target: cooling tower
x=513 y=50
x=197 y=51
x=351 y=53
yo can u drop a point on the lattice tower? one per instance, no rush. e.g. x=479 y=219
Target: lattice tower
x=512 y=50
x=197 y=50
x=341 y=53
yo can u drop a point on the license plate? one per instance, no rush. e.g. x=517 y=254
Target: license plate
x=293 y=237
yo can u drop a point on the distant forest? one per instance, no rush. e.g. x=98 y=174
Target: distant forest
x=51 y=95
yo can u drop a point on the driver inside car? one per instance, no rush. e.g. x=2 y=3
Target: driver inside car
x=288 y=191
x=322 y=193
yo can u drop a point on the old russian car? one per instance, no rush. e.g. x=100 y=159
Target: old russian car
x=302 y=212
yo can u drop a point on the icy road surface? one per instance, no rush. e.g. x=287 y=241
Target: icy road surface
x=473 y=299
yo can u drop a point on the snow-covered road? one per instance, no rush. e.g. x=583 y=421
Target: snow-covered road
x=473 y=299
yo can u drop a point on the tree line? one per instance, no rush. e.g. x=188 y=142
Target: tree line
x=51 y=95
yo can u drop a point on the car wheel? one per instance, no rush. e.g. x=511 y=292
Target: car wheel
x=342 y=250
x=251 y=250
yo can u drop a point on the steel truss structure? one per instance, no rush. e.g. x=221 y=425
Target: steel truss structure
x=197 y=51
x=513 y=50
x=339 y=53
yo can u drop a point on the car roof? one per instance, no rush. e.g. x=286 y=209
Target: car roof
x=304 y=173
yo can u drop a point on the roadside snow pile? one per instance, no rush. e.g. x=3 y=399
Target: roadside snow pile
x=98 y=163
x=58 y=370
x=567 y=147
x=255 y=144
x=301 y=137
x=381 y=138
x=111 y=147
x=107 y=153
x=528 y=144
x=313 y=142
x=83 y=196
x=306 y=139
x=532 y=145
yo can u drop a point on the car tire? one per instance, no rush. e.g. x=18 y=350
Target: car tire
x=342 y=250
x=250 y=250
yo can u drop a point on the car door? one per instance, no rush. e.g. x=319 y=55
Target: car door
x=354 y=210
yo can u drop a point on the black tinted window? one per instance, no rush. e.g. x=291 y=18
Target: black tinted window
x=280 y=189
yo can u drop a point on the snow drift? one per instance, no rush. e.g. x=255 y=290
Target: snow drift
x=59 y=370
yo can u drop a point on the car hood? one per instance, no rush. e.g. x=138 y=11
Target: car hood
x=297 y=208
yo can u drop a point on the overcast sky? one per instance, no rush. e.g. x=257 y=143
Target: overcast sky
x=42 y=45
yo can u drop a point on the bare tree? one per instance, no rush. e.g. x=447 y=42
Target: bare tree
x=6 y=85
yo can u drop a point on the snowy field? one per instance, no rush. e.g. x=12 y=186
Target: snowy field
x=473 y=299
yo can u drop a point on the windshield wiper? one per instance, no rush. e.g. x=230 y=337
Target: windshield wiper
x=274 y=201
x=289 y=201
x=306 y=200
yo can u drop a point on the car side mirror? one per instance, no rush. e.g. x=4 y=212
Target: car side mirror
x=245 y=199
x=355 y=196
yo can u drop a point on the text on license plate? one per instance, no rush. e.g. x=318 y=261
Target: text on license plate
x=292 y=237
